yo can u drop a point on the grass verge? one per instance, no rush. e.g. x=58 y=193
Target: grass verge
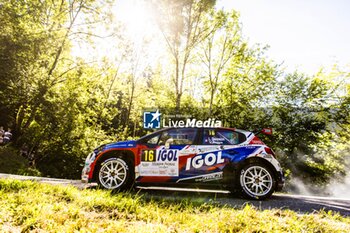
x=27 y=206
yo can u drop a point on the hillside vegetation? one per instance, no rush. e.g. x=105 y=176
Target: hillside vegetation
x=13 y=163
x=29 y=206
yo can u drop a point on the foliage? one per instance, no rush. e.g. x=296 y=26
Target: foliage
x=306 y=127
x=37 y=95
x=13 y=163
x=30 y=206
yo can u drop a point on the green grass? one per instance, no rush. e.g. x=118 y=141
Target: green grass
x=29 y=206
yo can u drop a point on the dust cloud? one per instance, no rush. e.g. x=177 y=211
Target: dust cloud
x=337 y=187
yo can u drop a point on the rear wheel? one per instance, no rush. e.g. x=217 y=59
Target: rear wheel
x=115 y=174
x=257 y=181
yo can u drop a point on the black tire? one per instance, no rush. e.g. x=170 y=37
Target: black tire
x=116 y=174
x=256 y=181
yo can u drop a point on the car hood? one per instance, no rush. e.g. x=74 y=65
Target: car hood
x=122 y=144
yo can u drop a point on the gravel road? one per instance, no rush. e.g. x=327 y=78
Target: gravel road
x=298 y=203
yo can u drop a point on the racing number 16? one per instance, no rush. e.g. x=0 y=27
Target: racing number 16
x=148 y=156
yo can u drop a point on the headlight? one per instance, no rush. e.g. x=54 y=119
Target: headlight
x=90 y=158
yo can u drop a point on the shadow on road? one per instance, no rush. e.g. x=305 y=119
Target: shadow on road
x=300 y=204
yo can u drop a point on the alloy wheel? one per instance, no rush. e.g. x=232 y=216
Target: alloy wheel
x=257 y=180
x=113 y=173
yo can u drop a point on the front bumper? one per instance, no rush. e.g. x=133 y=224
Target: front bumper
x=85 y=174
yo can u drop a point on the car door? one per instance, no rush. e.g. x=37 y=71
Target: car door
x=212 y=154
x=162 y=156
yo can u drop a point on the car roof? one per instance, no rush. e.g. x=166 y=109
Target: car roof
x=168 y=128
x=234 y=129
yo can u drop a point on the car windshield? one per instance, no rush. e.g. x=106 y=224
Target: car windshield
x=178 y=136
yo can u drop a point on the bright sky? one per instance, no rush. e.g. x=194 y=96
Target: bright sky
x=304 y=34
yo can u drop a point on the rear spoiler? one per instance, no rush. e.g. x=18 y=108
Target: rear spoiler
x=266 y=131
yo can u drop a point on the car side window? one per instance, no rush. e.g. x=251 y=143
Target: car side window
x=221 y=137
x=178 y=137
x=153 y=140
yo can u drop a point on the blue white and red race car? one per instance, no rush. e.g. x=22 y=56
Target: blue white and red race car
x=220 y=158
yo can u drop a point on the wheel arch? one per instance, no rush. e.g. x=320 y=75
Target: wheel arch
x=125 y=154
x=232 y=170
x=258 y=160
x=246 y=191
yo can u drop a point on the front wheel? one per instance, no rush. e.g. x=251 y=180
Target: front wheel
x=115 y=174
x=257 y=181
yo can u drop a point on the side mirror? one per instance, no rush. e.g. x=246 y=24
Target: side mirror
x=266 y=131
x=168 y=143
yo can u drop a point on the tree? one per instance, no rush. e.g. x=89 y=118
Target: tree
x=305 y=118
x=181 y=25
x=246 y=88
x=218 y=49
x=36 y=64
x=36 y=43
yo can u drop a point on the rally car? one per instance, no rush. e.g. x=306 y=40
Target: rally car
x=220 y=158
